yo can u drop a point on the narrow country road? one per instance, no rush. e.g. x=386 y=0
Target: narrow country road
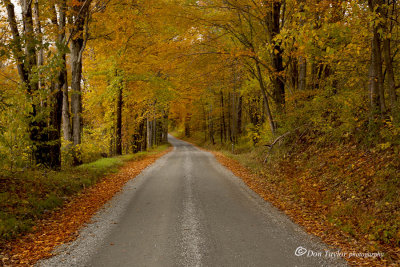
x=188 y=210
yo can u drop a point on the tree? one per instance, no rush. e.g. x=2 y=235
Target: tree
x=25 y=55
x=78 y=37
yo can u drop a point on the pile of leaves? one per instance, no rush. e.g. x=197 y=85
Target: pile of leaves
x=62 y=225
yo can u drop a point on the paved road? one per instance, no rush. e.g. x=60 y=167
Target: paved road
x=188 y=210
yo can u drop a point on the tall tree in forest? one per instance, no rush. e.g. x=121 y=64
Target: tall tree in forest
x=376 y=89
x=24 y=49
x=78 y=38
x=59 y=10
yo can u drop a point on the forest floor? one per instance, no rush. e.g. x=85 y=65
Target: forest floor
x=66 y=201
x=346 y=196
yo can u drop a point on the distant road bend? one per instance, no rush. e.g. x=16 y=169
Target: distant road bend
x=188 y=210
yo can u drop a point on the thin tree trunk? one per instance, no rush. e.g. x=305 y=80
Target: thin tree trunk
x=234 y=117
x=302 y=73
x=165 y=137
x=381 y=88
x=223 y=124
x=211 y=120
x=265 y=97
x=239 y=117
x=149 y=133
x=229 y=126
x=119 y=121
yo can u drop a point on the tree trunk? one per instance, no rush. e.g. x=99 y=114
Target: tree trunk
x=302 y=73
x=77 y=47
x=56 y=98
x=26 y=61
x=165 y=127
x=373 y=80
x=118 y=141
x=223 y=124
x=239 y=116
x=265 y=97
x=76 y=97
x=390 y=76
x=273 y=20
x=376 y=89
x=62 y=83
x=234 y=117
x=211 y=121
x=378 y=62
x=229 y=126
x=149 y=133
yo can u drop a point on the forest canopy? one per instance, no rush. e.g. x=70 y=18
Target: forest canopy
x=85 y=78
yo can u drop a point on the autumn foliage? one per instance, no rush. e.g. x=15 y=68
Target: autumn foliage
x=274 y=82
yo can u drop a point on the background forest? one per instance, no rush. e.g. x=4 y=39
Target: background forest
x=303 y=92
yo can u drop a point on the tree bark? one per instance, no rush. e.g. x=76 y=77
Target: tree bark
x=376 y=89
x=76 y=97
x=62 y=83
x=26 y=62
x=118 y=141
x=223 y=123
x=77 y=47
x=265 y=97
x=390 y=76
x=148 y=133
x=373 y=80
x=211 y=121
x=302 y=73
x=273 y=20
x=239 y=116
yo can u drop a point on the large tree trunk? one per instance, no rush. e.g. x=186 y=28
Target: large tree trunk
x=273 y=21
x=77 y=46
x=62 y=83
x=376 y=89
x=56 y=97
x=373 y=79
x=76 y=97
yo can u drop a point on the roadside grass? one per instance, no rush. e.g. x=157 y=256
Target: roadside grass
x=349 y=187
x=27 y=196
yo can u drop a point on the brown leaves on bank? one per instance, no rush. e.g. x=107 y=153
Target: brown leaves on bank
x=62 y=226
x=311 y=215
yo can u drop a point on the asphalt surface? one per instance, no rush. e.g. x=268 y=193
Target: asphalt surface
x=188 y=210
